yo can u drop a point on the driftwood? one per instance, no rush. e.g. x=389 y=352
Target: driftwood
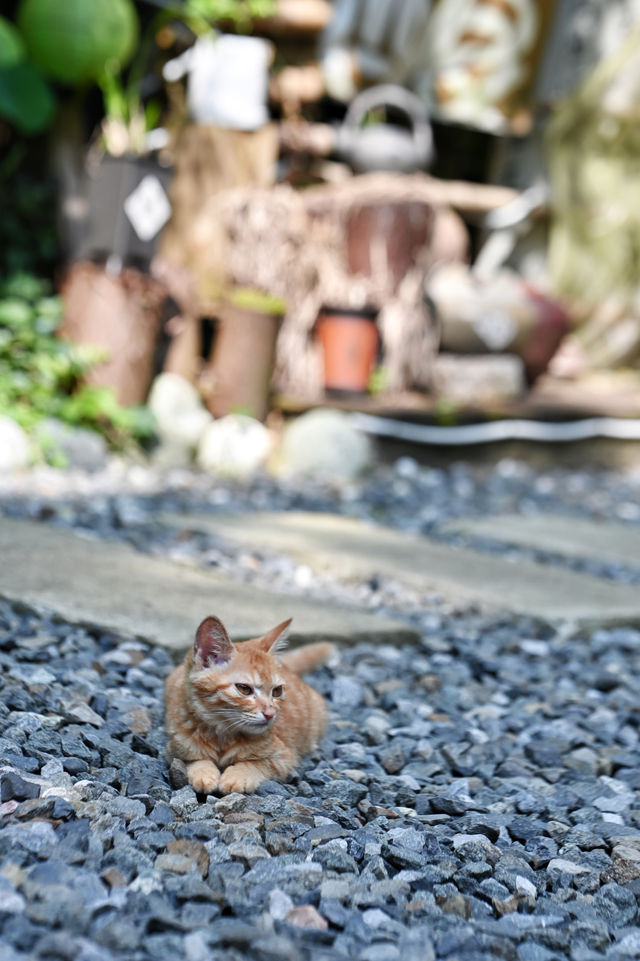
x=465 y=197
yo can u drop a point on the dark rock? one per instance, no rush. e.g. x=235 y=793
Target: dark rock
x=449 y=805
x=342 y=791
x=540 y=850
x=525 y=829
x=17 y=788
x=403 y=857
x=616 y=905
x=393 y=759
x=75 y=765
x=334 y=858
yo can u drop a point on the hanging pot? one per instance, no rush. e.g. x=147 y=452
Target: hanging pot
x=350 y=342
x=386 y=146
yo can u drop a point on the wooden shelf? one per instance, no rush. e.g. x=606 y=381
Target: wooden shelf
x=551 y=399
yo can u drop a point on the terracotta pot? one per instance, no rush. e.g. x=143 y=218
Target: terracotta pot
x=350 y=342
x=243 y=355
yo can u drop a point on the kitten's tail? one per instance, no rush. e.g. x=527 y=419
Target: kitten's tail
x=307 y=658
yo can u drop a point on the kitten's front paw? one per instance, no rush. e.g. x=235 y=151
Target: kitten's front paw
x=240 y=779
x=204 y=776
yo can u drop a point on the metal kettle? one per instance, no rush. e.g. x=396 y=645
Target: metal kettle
x=385 y=146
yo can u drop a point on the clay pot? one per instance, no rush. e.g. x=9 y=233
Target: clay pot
x=242 y=362
x=350 y=343
x=388 y=237
x=122 y=314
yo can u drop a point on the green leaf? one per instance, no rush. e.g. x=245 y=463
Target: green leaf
x=15 y=313
x=25 y=98
x=11 y=45
x=40 y=373
x=72 y=41
x=24 y=285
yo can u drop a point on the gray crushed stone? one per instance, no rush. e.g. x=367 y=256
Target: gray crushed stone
x=477 y=795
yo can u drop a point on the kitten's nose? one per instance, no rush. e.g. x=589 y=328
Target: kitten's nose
x=268 y=713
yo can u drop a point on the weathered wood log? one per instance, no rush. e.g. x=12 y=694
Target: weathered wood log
x=463 y=196
x=208 y=161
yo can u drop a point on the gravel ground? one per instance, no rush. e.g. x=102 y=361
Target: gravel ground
x=477 y=795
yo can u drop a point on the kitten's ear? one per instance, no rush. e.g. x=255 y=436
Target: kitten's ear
x=212 y=646
x=276 y=639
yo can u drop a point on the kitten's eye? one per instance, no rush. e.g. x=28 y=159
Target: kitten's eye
x=277 y=691
x=245 y=689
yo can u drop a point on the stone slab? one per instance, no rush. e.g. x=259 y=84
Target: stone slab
x=111 y=586
x=352 y=548
x=600 y=541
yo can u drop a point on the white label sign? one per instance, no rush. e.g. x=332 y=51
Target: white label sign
x=148 y=207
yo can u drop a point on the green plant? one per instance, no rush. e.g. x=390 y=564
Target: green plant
x=379 y=380
x=28 y=234
x=41 y=374
x=72 y=42
x=446 y=411
x=26 y=99
x=128 y=118
x=248 y=298
x=200 y=14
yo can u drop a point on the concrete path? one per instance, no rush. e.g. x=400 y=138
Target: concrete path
x=112 y=586
x=350 y=548
x=566 y=536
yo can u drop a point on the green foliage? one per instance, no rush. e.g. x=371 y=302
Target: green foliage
x=11 y=45
x=25 y=98
x=41 y=374
x=239 y=12
x=28 y=235
x=248 y=298
x=128 y=118
x=446 y=411
x=379 y=380
x=72 y=42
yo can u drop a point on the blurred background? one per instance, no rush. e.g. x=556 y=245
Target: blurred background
x=216 y=210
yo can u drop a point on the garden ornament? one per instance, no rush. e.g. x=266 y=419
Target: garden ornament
x=369 y=146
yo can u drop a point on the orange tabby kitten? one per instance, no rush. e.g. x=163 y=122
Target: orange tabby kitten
x=237 y=714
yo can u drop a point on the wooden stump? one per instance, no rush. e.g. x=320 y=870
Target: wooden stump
x=210 y=160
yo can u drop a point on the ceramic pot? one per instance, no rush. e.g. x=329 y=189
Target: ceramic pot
x=350 y=343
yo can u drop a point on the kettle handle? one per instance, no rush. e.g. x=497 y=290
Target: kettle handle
x=388 y=94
